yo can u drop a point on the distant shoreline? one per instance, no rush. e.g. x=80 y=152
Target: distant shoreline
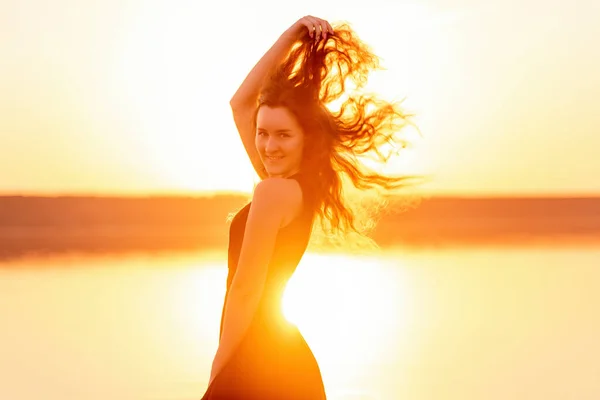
x=99 y=225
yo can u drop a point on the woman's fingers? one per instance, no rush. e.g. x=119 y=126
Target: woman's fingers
x=317 y=28
x=313 y=26
x=329 y=28
x=308 y=24
x=326 y=29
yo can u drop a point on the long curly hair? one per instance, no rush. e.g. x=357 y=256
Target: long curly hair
x=309 y=81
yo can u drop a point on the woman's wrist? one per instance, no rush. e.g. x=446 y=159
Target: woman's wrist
x=290 y=35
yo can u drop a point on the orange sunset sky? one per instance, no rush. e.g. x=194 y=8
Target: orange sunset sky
x=131 y=96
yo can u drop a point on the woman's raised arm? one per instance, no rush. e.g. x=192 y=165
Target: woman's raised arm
x=243 y=102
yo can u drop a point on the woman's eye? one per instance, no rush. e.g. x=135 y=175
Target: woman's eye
x=281 y=135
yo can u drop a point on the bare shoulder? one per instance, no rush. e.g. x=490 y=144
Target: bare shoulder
x=282 y=191
x=278 y=196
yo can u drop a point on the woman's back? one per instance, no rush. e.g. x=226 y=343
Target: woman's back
x=273 y=359
x=291 y=243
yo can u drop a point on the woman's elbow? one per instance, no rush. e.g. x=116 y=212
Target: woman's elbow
x=238 y=103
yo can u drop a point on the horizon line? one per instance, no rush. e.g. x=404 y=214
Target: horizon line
x=215 y=193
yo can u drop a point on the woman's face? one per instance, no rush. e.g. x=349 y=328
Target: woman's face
x=279 y=140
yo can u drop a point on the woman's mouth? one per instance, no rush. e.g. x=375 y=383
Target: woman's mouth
x=274 y=158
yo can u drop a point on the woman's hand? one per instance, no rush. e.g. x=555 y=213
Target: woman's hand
x=316 y=28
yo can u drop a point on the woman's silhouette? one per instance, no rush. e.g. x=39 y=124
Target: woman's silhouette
x=301 y=150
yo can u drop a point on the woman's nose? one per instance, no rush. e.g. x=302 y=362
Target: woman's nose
x=272 y=145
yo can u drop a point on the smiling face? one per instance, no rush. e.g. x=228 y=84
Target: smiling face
x=279 y=140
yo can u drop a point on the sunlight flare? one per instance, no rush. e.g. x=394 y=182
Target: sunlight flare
x=341 y=302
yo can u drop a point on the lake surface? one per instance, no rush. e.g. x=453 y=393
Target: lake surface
x=491 y=323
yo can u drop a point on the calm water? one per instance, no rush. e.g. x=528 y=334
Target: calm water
x=479 y=323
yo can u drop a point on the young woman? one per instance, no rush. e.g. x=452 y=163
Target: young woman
x=301 y=150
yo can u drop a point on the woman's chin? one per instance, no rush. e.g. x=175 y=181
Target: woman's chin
x=274 y=172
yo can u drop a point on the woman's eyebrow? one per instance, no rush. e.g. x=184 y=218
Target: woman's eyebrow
x=276 y=131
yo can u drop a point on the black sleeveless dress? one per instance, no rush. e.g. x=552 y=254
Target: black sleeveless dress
x=273 y=361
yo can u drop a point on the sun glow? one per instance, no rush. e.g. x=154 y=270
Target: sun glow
x=354 y=303
x=186 y=132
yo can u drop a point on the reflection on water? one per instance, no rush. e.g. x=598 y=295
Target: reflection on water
x=454 y=324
